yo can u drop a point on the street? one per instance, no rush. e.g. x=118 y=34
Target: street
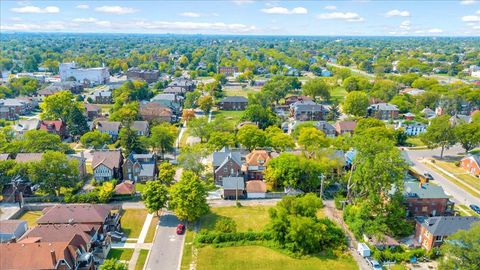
x=459 y=195
x=166 y=252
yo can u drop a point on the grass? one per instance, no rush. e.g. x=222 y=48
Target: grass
x=132 y=222
x=338 y=93
x=257 y=257
x=151 y=230
x=240 y=92
x=234 y=116
x=142 y=257
x=453 y=180
x=247 y=218
x=459 y=173
x=187 y=256
x=122 y=254
x=415 y=141
x=31 y=217
x=398 y=267
x=465 y=210
x=183 y=139
x=139 y=187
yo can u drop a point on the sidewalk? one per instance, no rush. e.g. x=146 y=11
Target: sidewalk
x=140 y=242
x=451 y=175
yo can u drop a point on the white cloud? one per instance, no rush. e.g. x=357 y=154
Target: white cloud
x=83 y=6
x=27 y=27
x=467 y=2
x=115 y=10
x=194 y=26
x=285 y=11
x=397 y=13
x=345 y=16
x=435 y=30
x=243 y=2
x=34 y=9
x=330 y=8
x=471 y=18
x=85 y=20
x=405 y=25
x=190 y=14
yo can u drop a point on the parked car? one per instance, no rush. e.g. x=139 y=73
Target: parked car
x=428 y=176
x=475 y=208
x=375 y=264
x=180 y=229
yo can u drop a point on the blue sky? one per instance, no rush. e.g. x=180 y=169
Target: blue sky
x=248 y=17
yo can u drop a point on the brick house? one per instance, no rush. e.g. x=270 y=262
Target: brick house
x=6 y=112
x=255 y=164
x=156 y=113
x=149 y=76
x=140 y=167
x=471 y=164
x=307 y=111
x=233 y=186
x=227 y=163
x=233 y=103
x=423 y=199
x=228 y=71
x=92 y=111
x=107 y=165
x=55 y=127
x=432 y=232
x=383 y=111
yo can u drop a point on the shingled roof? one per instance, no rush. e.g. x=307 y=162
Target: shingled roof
x=111 y=159
x=75 y=213
x=445 y=226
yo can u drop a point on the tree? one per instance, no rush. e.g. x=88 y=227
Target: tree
x=105 y=191
x=188 y=197
x=462 y=249
x=162 y=138
x=57 y=106
x=53 y=172
x=356 y=103
x=191 y=99
x=95 y=139
x=189 y=158
x=36 y=141
x=166 y=174
x=316 y=88
x=219 y=139
x=439 y=134
x=131 y=141
x=312 y=140
x=155 y=196
x=251 y=137
x=126 y=113
x=262 y=116
x=77 y=122
x=200 y=127
x=468 y=135
x=279 y=140
x=225 y=225
x=205 y=103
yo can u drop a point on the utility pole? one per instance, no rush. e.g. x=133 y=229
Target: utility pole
x=322 y=179
x=236 y=194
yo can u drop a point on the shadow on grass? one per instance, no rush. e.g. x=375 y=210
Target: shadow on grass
x=208 y=221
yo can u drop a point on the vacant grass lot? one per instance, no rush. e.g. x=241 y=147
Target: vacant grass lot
x=338 y=93
x=233 y=116
x=122 y=254
x=132 y=222
x=414 y=141
x=239 y=91
x=257 y=257
x=142 y=257
x=31 y=217
x=247 y=217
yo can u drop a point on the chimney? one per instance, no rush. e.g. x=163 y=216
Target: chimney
x=54 y=257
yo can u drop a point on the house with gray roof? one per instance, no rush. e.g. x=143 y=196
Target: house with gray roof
x=142 y=128
x=383 y=111
x=140 y=167
x=107 y=165
x=23 y=126
x=4 y=156
x=326 y=128
x=172 y=101
x=233 y=186
x=109 y=127
x=308 y=111
x=432 y=232
x=425 y=199
x=233 y=103
x=227 y=163
x=186 y=84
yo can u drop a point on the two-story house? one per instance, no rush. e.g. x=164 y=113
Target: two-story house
x=227 y=163
x=233 y=103
x=383 y=111
x=308 y=111
x=107 y=165
x=326 y=128
x=140 y=167
x=142 y=128
x=424 y=199
x=109 y=127
x=255 y=164
x=55 y=127
x=471 y=164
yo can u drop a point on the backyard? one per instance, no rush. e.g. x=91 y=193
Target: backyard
x=31 y=217
x=233 y=116
x=121 y=254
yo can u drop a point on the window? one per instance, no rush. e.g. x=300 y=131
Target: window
x=424 y=209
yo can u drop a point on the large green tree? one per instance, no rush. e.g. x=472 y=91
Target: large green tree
x=251 y=137
x=468 y=135
x=166 y=173
x=36 y=141
x=462 y=249
x=155 y=196
x=58 y=106
x=162 y=138
x=95 y=139
x=188 y=197
x=312 y=140
x=316 y=88
x=77 y=122
x=440 y=133
x=356 y=103
x=131 y=141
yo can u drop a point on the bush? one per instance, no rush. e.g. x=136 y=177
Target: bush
x=219 y=237
x=226 y=225
x=338 y=201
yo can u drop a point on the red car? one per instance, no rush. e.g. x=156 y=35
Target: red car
x=180 y=228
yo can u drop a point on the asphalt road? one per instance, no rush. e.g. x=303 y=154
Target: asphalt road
x=459 y=195
x=166 y=252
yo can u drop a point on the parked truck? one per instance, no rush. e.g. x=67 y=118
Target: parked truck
x=363 y=249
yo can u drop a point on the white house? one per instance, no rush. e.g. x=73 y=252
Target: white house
x=98 y=75
x=413 y=129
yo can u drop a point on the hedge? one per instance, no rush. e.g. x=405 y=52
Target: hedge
x=219 y=237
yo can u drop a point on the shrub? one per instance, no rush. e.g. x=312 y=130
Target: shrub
x=219 y=237
x=226 y=225
x=338 y=201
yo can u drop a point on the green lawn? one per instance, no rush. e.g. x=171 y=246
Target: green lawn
x=240 y=92
x=234 y=116
x=247 y=217
x=31 y=217
x=465 y=210
x=257 y=257
x=415 y=141
x=453 y=180
x=338 y=93
x=188 y=247
x=142 y=257
x=123 y=254
x=139 y=187
x=459 y=173
x=151 y=230
x=132 y=222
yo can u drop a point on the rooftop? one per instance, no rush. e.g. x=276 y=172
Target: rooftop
x=446 y=226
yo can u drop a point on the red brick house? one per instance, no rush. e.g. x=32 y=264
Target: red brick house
x=255 y=164
x=233 y=187
x=228 y=71
x=433 y=231
x=227 y=163
x=343 y=127
x=56 y=127
x=423 y=199
x=471 y=164
x=233 y=103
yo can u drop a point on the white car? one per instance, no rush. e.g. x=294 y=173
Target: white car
x=375 y=264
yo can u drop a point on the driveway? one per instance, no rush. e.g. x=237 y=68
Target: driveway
x=166 y=252
x=459 y=195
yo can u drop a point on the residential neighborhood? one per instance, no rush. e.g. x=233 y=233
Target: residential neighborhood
x=174 y=140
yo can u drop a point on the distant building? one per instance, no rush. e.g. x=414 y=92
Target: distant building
x=109 y=127
x=69 y=71
x=102 y=97
x=186 y=84
x=432 y=232
x=326 y=128
x=149 y=76
x=156 y=113
x=413 y=129
x=6 y=112
x=343 y=127
x=308 y=111
x=72 y=86
x=471 y=164
x=93 y=111
x=228 y=71
x=142 y=128
x=383 y=111
x=424 y=199
x=55 y=127
x=233 y=103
